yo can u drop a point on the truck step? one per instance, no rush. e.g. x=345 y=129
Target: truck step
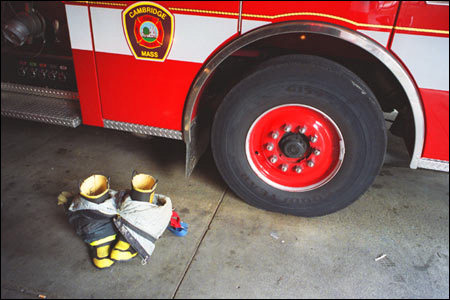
x=40 y=104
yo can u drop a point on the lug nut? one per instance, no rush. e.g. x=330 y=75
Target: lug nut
x=302 y=130
x=275 y=134
x=298 y=169
x=316 y=152
x=284 y=168
x=314 y=139
x=273 y=159
x=310 y=164
x=269 y=147
x=287 y=128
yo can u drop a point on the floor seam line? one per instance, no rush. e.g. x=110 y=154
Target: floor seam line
x=199 y=244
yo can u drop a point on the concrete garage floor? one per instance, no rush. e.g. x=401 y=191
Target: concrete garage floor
x=232 y=250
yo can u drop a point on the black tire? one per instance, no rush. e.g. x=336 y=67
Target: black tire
x=319 y=83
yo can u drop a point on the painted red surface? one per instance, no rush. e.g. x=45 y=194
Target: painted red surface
x=205 y=8
x=351 y=14
x=88 y=90
x=436 y=106
x=144 y=92
x=121 y=88
x=419 y=14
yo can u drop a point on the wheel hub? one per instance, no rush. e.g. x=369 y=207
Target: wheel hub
x=294 y=145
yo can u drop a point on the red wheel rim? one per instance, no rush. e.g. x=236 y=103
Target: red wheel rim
x=295 y=147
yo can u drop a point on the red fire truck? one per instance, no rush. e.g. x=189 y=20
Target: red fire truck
x=290 y=95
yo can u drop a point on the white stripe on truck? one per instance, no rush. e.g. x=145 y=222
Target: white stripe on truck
x=426 y=57
x=195 y=38
x=79 y=29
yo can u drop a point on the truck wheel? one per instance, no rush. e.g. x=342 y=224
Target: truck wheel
x=302 y=135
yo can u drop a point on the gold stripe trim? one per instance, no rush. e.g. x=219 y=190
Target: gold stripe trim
x=101 y=3
x=312 y=14
x=107 y=3
x=422 y=30
x=224 y=13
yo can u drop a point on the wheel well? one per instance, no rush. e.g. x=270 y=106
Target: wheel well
x=387 y=89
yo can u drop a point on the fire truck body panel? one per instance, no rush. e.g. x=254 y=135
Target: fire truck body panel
x=425 y=55
x=290 y=95
x=152 y=100
x=436 y=113
x=128 y=90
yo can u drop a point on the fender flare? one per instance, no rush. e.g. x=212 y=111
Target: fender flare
x=351 y=36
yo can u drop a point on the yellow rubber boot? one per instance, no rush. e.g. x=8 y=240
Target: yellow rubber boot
x=122 y=251
x=100 y=251
x=143 y=188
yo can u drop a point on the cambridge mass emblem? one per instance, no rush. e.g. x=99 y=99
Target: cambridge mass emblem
x=149 y=30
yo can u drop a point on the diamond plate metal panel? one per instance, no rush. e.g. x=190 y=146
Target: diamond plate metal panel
x=42 y=109
x=433 y=164
x=37 y=91
x=142 y=129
